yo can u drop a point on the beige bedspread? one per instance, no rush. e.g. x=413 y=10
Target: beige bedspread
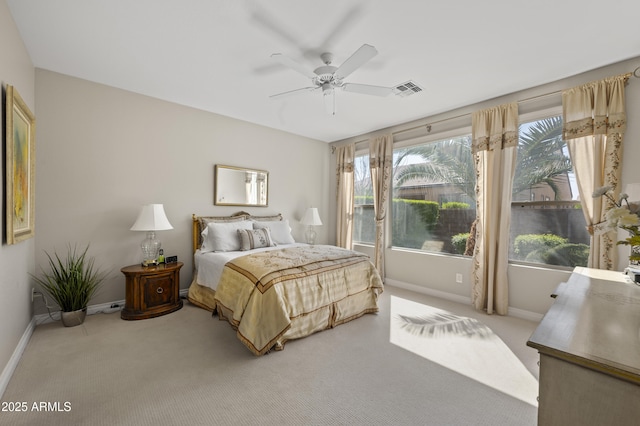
x=318 y=287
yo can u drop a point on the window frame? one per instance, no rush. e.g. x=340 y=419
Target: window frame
x=450 y=133
x=360 y=152
x=435 y=137
x=528 y=117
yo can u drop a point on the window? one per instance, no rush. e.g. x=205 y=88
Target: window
x=364 y=224
x=433 y=202
x=547 y=224
x=433 y=197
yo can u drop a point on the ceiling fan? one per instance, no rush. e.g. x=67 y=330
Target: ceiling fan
x=329 y=78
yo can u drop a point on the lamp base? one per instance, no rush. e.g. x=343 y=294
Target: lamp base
x=311 y=235
x=150 y=248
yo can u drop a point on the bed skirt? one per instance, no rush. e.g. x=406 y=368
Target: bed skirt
x=326 y=317
x=201 y=296
x=345 y=310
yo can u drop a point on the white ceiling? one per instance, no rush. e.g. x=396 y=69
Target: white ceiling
x=215 y=54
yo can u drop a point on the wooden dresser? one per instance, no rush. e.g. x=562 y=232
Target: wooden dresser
x=589 y=345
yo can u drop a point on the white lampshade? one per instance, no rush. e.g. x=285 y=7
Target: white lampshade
x=152 y=218
x=311 y=217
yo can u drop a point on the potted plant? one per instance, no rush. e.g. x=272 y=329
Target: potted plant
x=71 y=283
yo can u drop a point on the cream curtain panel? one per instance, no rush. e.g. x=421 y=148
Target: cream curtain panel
x=594 y=124
x=494 y=146
x=380 y=165
x=344 y=205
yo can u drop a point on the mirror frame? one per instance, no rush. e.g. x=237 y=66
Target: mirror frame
x=217 y=189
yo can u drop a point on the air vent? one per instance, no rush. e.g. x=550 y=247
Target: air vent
x=407 y=89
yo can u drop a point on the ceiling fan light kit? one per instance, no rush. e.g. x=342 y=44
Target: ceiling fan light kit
x=329 y=78
x=329 y=96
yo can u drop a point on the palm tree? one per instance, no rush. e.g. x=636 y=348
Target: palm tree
x=447 y=161
x=541 y=159
x=541 y=156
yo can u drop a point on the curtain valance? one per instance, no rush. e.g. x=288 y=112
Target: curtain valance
x=495 y=128
x=595 y=108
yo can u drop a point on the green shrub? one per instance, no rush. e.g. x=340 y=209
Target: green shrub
x=529 y=243
x=429 y=211
x=459 y=242
x=451 y=205
x=413 y=221
x=568 y=255
x=536 y=256
x=363 y=199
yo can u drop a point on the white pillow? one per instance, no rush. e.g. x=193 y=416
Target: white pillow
x=255 y=238
x=280 y=231
x=223 y=236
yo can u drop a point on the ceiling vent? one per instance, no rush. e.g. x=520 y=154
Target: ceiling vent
x=407 y=89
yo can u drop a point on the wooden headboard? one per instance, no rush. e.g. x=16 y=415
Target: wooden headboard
x=201 y=222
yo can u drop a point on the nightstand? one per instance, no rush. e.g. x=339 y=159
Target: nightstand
x=151 y=290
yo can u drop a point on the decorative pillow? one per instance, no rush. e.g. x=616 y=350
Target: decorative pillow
x=223 y=236
x=203 y=221
x=280 y=231
x=266 y=218
x=255 y=238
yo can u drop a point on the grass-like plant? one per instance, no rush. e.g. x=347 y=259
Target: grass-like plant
x=71 y=282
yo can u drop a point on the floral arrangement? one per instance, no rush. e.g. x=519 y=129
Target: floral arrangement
x=623 y=215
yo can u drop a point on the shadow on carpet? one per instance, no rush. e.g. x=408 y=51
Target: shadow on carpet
x=461 y=344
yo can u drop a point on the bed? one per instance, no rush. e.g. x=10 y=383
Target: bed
x=251 y=273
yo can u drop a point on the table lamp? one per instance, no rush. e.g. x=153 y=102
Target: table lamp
x=151 y=218
x=311 y=218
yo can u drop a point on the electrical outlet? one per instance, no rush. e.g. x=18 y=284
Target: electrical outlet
x=459 y=278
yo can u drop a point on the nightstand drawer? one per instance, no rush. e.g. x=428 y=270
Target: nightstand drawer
x=157 y=291
x=151 y=291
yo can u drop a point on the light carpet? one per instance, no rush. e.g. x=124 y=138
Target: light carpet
x=461 y=344
x=188 y=368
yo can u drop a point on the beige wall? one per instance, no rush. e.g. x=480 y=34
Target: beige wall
x=16 y=261
x=104 y=152
x=529 y=287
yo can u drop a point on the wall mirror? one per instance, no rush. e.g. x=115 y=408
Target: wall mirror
x=237 y=186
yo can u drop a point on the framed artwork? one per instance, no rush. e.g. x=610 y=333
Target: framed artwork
x=20 y=168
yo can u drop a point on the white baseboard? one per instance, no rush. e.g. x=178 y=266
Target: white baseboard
x=527 y=315
x=429 y=291
x=514 y=312
x=15 y=357
x=103 y=308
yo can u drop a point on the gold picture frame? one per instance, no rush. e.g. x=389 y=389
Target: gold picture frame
x=239 y=186
x=20 y=168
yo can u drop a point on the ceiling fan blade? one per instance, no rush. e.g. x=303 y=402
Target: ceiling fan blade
x=367 y=89
x=345 y=24
x=268 y=20
x=293 y=92
x=355 y=61
x=286 y=61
